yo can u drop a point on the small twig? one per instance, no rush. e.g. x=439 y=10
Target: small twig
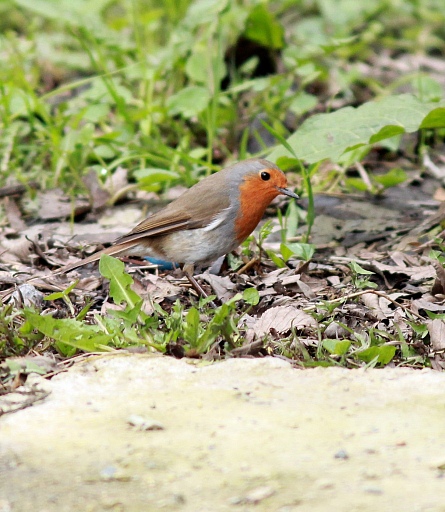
x=297 y=364
x=247 y=266
x=364 y=176
x=14 y=190
x=362 y=292
x=434 y=170
x=198 y=288
x=430 y=243
x=247 y=349
x=55 y=372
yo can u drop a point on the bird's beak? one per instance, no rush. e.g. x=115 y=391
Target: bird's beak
x=287 y=192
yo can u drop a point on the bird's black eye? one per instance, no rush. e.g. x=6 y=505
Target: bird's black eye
x=265 y=175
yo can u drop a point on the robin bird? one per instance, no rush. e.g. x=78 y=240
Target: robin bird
x=209 y=220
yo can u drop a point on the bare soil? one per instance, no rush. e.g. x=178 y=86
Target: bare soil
x=147 y=433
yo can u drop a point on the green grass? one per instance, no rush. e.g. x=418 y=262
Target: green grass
x=99 y=84
x=155 y=87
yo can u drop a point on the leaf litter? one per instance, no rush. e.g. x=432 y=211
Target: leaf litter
x=313 y=313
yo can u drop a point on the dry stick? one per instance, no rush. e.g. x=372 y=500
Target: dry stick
x=430 y=243
x=246 y=350
x=247 y=266
x=364 y=176
x=362 y=292
x=14 y=190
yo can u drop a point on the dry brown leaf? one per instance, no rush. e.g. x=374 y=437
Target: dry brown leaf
x=124 y=217
x=54 y=204
x=287 y=280
x=222 y=286
x=13 y=214
x=111 y=306
x=439 y=283
x=398 y=258
x=439 y=194
x=416 y=273
x=89 y=284
x=117 y=181
x=267 y=292
x=98 y=195
x=378 y=305
x=426 y=305
x=15 y=249
x=282 y=319
x=155 y=288
x=336 y=331
x=305 y=289
x=46 y=362
x=272 y=277
x=436 y=328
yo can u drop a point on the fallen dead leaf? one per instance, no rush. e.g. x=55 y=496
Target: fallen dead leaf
x=426 y=305
x=222 y=286
x=305 y=289
x=378 y=305
x=98 y=195
x=154 y=289
x=272 y=277
x=415 y=273
x=439 y=194
x=117 y=182
x=282 y=319
x=436 y=328
x=15 y=249
x=54 y=204
x=13 y=214
x=439 y=283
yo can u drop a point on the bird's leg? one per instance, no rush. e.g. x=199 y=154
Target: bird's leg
x=188 y=270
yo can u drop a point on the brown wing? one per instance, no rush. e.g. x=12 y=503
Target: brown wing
x=157 y=224
x=187 y=212
x=195 y=209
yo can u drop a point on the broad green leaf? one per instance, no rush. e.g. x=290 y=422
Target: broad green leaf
x=152 y=176
x=300 y=250
x=77 y=138
x=383 y=353
x=330 y=135
x=427 y=88
x=292 y=219
x=25 y=367
x=337 y=347
x=198 y=65
x=386 y=133
x=188 y=102
x=96 y=113
x=69 y=331
x=63 y=293
x=263 y=28
x=435 y=119
x=303 y=102
x=357 y=183
x=276 y=259
x=203 y=12
x=104 y=151
x=342 y=13
x=420 y=329
x=355 y=267
x=191 y=331
x=251 y=296
x=131 y=314
x=120 y=282
x=391 y=178
x=78 y=13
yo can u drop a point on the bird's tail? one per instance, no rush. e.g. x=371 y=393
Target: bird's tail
x=114 y=250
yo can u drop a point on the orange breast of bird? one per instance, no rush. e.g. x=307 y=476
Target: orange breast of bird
x=255 y=197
